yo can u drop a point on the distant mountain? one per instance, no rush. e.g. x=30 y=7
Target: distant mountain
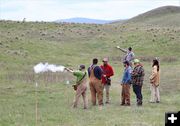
x=166 y=15
x=119 y=21
x=84 y=20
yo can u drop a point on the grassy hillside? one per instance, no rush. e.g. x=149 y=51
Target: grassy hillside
x=29 y=43
x=162 y=16
x=22 y=45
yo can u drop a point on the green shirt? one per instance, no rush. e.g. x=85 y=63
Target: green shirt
x=79 y=74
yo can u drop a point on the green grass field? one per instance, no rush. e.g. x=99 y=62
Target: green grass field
x=55 y=99
x=23 y=45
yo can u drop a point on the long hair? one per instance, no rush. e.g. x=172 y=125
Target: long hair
x=156 y=63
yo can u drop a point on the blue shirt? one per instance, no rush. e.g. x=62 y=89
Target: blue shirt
x=97 y=71
x=127 y=75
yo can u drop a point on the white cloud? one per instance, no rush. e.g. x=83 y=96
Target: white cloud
x=50 y=10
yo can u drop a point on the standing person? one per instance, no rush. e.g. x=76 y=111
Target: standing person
x=81 y=85
x=106 y=80
x=126 y=84
x=96 y=87
x=137 y=80
x=154 y=80
x=129 y=55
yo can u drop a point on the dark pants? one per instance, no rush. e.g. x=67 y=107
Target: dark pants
x=137 y=90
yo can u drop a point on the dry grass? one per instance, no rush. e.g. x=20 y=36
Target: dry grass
x=46 y=78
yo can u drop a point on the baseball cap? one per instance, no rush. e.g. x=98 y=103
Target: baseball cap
x=105 y=60
x=82 y=66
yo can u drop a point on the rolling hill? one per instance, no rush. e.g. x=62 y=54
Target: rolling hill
x=31 y=42
x=163 y=16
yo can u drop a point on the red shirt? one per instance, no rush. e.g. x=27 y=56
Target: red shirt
x=108 y=71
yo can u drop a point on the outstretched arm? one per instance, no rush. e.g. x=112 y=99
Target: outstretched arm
x=123 y=50
x=69 y=70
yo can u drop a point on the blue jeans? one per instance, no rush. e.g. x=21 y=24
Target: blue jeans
x=137 y=90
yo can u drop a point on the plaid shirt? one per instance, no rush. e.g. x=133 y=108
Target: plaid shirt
x=138 y=75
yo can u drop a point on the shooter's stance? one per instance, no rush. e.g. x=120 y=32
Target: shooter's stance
x=81 y=85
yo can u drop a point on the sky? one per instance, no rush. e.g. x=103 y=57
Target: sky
x=51 y=10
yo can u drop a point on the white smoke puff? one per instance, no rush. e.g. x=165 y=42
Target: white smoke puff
x=51 y=67
x=40 y=68
x=60 y=68
x=54 y=68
